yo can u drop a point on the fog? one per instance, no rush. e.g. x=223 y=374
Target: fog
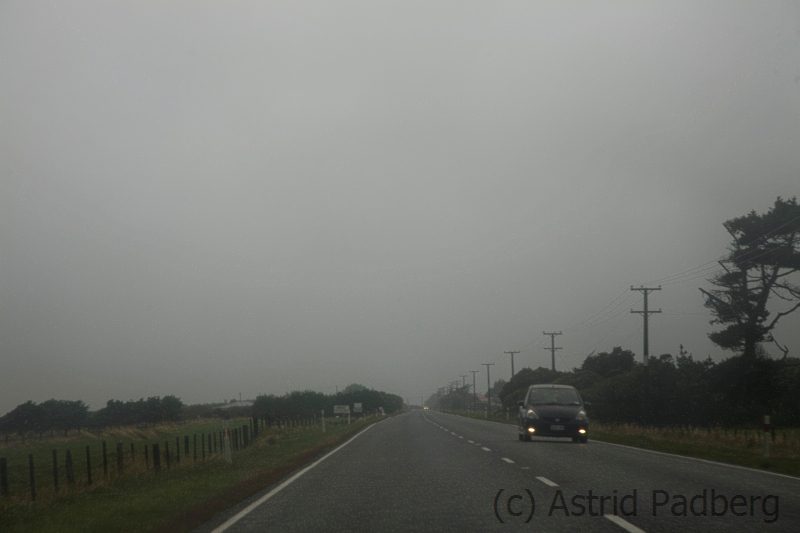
x=213 y=198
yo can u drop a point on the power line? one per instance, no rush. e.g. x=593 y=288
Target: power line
x=599 y=312
x=762 y=237
x=610 y=311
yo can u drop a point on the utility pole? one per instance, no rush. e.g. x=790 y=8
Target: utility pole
x=463 y=380
x=552 y=347
x=474 y=390
x=488 y=389
x=511 y=353
x=645 y=314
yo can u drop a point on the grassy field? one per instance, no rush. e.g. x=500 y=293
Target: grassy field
x=744 y=447
x=177 y=499
x=16 y=454
x=739 y=446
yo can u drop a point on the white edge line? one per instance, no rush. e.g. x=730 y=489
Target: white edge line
x=547 y=481
x=484 y=448
x=506 y=459
x=247 y=510
x=471 y=441
x=624 y=524
x=708 y=461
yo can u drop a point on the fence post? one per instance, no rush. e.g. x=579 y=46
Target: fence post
x=166 y=453
x=156 y=457
x=186 y=445
x=105 y=460
x=31 y=477
x=120 y=458
x=55 y=470
x=246 y=435
x=226 y=445
x=146 y=457
x=3 y=477
x=203 y=445
x=177 y=450
x=133 y=453
x=88 y=466
x=69 y=468
x=766 y=436
x=209 y=438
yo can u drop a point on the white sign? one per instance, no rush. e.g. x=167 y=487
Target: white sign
x=341 y=409
x=357 y=408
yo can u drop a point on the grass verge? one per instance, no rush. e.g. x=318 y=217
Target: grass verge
x=181 y=498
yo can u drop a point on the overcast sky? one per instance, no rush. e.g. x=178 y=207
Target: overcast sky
x=208 y=198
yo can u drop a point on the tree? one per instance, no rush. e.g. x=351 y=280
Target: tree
x=354 y=387
x=608 y=364
x=24 y=418
x=763 y=257
x=64 y=414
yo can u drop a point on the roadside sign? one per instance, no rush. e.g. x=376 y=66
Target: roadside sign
x=341 y=409
x=357 y=408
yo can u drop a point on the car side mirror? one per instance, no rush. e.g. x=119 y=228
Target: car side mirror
x=521 y=404
x=587 y=404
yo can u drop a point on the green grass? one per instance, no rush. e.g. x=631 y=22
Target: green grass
x=16 y=455
x=743 y=447
x=177 y=499
x=738 y=446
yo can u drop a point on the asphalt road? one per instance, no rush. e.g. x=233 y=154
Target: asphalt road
x=430 y=471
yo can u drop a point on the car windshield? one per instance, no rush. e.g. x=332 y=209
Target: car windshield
x=554 y=397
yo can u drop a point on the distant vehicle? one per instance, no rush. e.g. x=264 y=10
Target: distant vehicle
x=553 y=411
x=426 y=408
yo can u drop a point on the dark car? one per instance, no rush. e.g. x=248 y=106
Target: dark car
x=553 y=411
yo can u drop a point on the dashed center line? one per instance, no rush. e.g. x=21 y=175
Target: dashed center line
x=547 y=481
x=624 y=524
x=509 y=461
x=484 y=448
x=471 y=441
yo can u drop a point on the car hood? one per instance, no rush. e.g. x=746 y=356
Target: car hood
x=560 y=411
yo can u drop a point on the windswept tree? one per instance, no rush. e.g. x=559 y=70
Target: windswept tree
x=763 y=260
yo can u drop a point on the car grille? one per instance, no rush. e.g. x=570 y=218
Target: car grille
x=556 y=419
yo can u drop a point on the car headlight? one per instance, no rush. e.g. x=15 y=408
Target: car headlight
x=581 y=416
x=531 y=414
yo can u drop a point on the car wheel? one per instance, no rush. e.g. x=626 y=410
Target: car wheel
x=574 y=439
x=583 y=440
x=520 y=436
x=526 y=438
